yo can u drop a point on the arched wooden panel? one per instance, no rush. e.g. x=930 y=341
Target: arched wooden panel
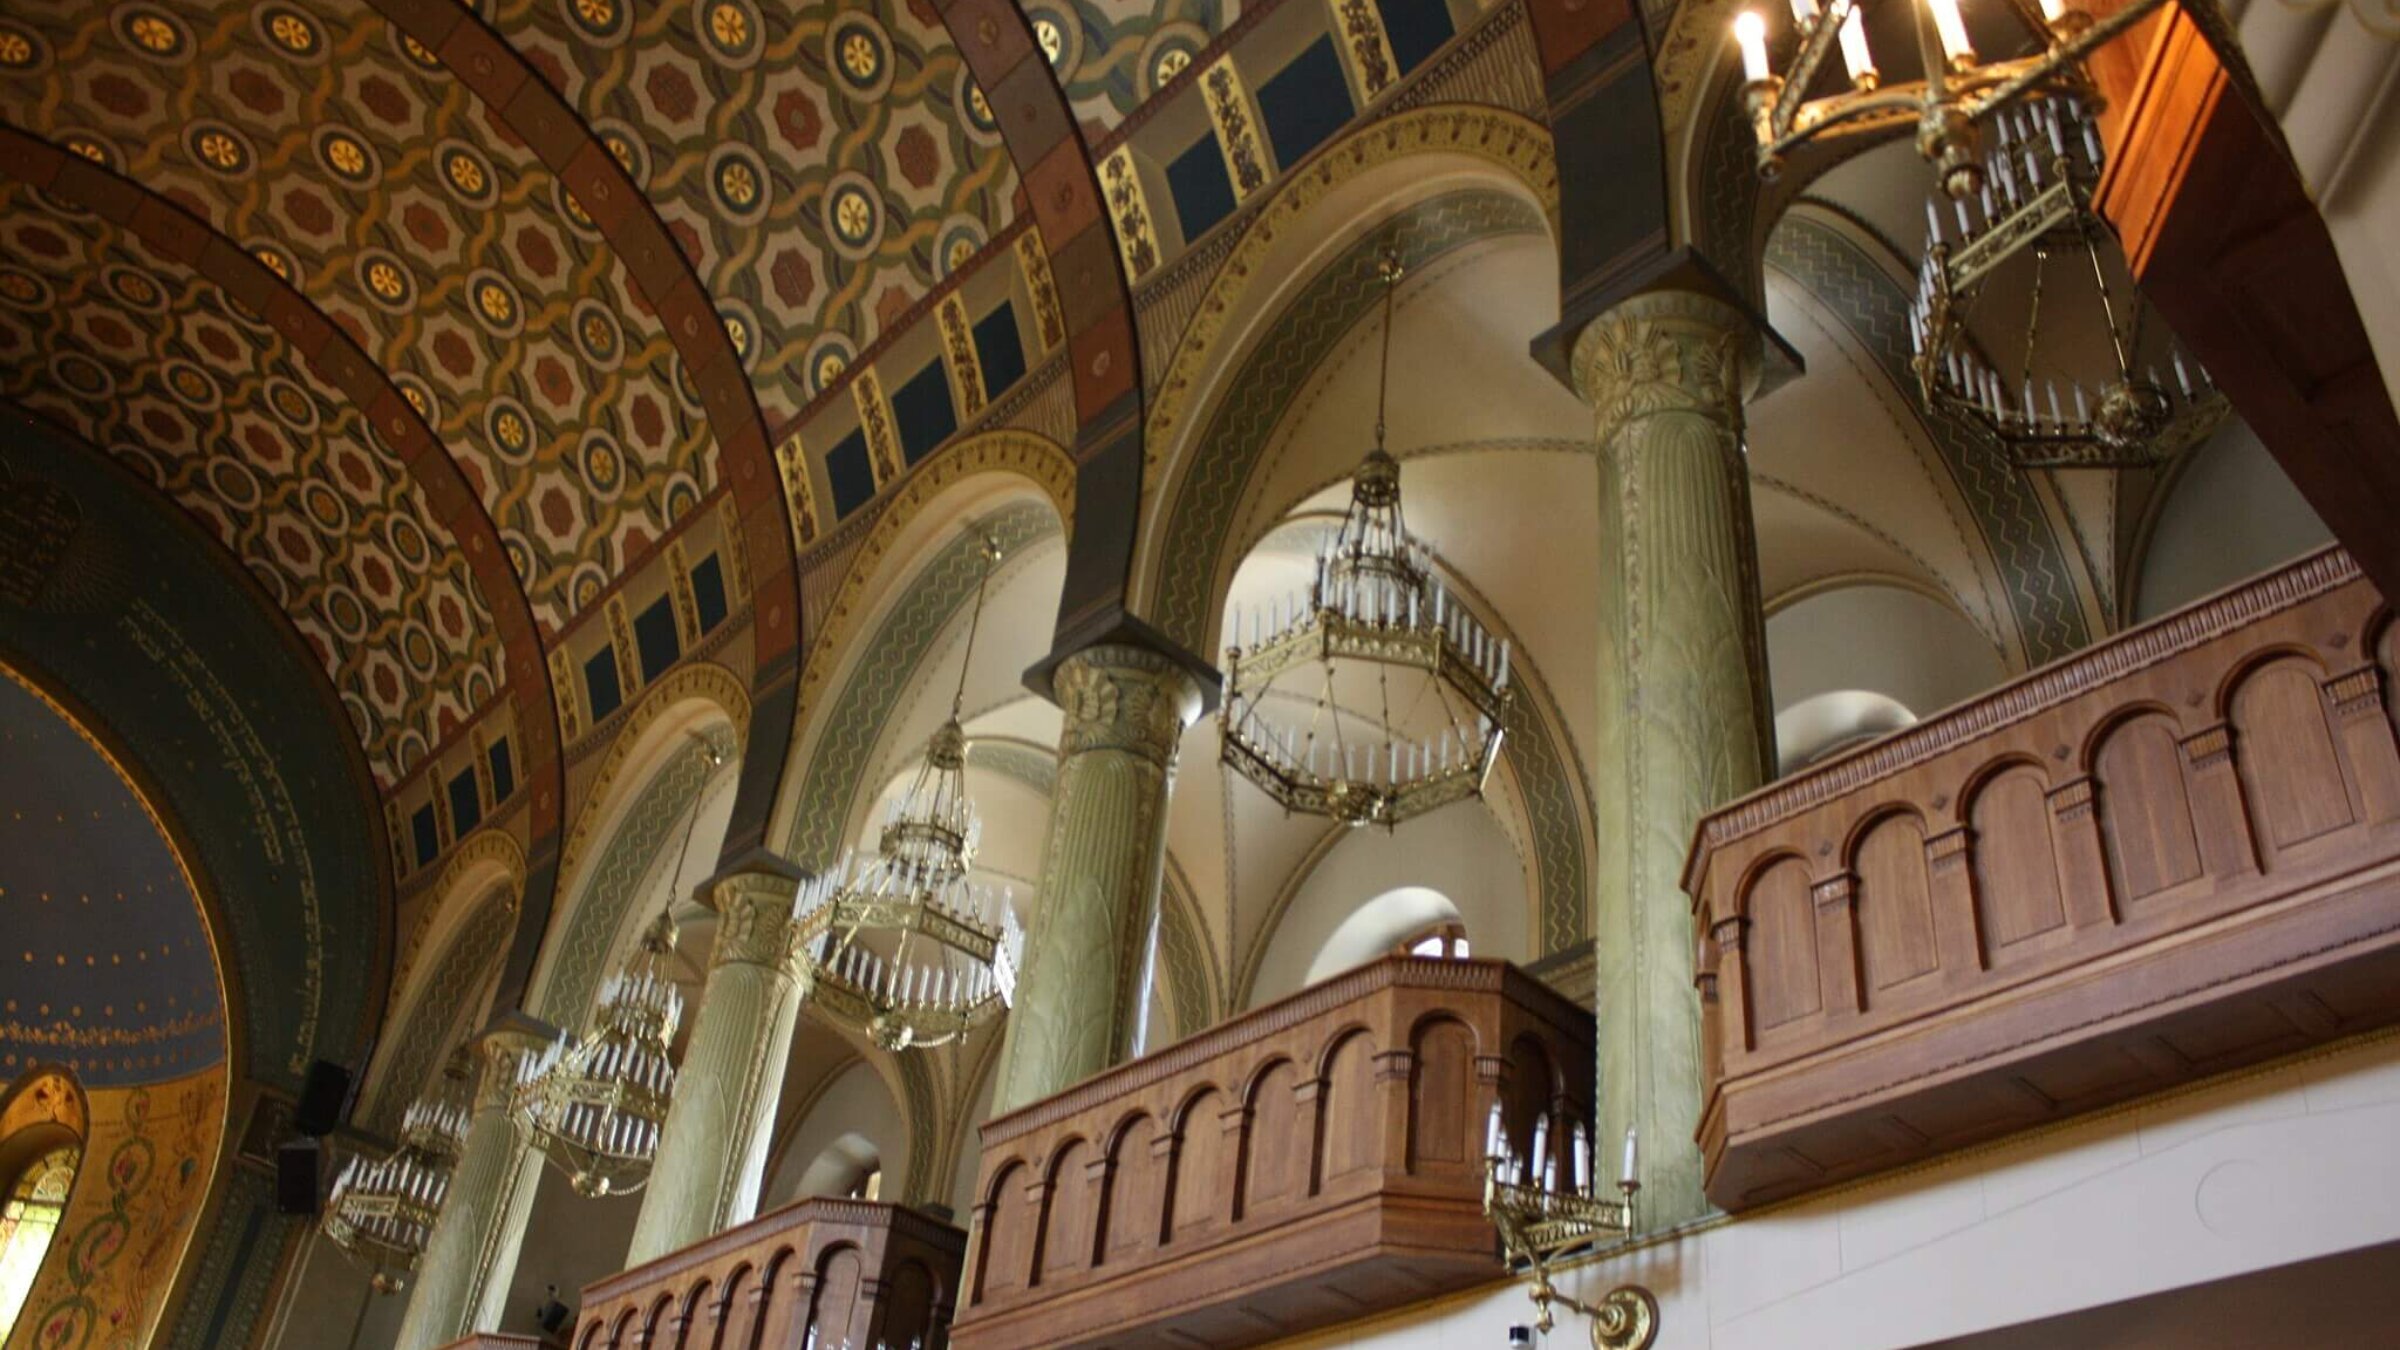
x=1137 y=1192
x=1200 y=1198
x=1442 y=1121
x=2285 y=749
x=1533 y=1084
x=658 y=1326
x=1067 y=1226
x=1004 y=1263
x=740 y=1319
x=699 y=1327
x=777 y=1313
x=1350 y=1126
x=1780 y=954
x=2011 y=858
x=2145 y=809
x=907 y=1302
x=1894 y=898
x=1275 y=1146
x=832 y=1313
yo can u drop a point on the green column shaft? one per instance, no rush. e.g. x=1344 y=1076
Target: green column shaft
x=1682 y=678
x=462 y=1280
x=712 y=1150
x=1079 y=994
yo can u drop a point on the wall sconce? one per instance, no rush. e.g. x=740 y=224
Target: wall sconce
x=1538 y=1222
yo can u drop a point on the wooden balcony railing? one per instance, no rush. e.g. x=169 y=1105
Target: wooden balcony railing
x=847 y=1272
x=1314 y=1160
x=2175 y=853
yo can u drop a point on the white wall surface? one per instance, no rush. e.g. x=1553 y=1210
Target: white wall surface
x=2245 y=1174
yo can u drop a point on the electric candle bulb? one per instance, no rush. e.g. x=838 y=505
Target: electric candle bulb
x=1632 y=1158
x=2054 y=10
x=1953 y=30
x=1751 y=32
x=1855 y=56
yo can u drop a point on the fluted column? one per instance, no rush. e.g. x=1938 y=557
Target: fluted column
x=712 y=1151
x=1079 y=995
x=1683 y=724
x=461 y=1283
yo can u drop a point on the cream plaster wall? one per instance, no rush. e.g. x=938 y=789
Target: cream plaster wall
x=2231 y=515
x=855 y=1103
x=2244 y=1174
x=1458 y=851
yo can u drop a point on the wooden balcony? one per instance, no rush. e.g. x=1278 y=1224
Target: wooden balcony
x=1317 y=1159
x=845 y=1272
x=2176 y=853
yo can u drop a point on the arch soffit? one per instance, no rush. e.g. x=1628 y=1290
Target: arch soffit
x=909 y=517
x=492 y=858
x=585 y=932
x=846 y=718
x=1498 y=150
x=704 y=683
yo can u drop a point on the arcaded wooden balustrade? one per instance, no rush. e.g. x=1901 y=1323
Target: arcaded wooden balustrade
x=2172 y=854
x=1314 y=1160
x=849 y=1272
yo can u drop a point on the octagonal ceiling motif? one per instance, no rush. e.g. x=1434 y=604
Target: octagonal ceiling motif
x=349 y=160
x=823 y=166
x=211 y=405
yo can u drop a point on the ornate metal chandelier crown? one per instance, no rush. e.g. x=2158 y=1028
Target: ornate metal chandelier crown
x=1959 y=87
x=898 y=943
x=1373 y=607
x=595 y=1109
x=2035 y=208
x=381 y=1210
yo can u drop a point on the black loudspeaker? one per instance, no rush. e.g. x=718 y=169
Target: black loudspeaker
x=299 y=1178
x=321 y=1094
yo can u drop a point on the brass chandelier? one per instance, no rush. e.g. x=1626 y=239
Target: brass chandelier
x=899 y=944
x=595 y=1109
x=1959 y=88
x=1310 y=714
x=2034 y=214
x=381 y=1210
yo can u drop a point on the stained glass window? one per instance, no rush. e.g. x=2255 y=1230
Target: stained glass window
x=27 y=1219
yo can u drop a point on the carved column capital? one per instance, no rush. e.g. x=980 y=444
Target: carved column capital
x=1125 y=698
x=754 y=919
x=1667 y=351
x=504 y=1055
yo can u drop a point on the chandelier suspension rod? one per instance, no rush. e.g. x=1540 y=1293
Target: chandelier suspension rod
x=2108 y=307
x=990 y=553
x=1388 y=263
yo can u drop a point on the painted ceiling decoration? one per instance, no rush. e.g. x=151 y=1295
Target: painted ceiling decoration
x=383 y=192
x=823 y=166
x=128 y=349
x=111 y=972
x=337 y=493
x=1114 y=55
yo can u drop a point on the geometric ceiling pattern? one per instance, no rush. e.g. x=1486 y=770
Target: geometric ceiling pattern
x=821 y=166
x=211 y=405
x=1113 y=55
x=346 y=159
